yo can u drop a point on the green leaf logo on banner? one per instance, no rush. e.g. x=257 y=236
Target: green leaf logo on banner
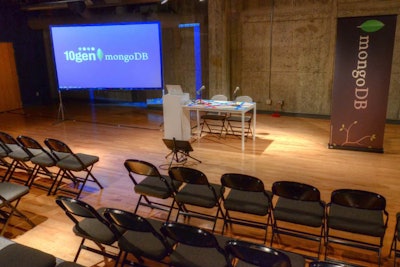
x=372 y=25
x=100 y=54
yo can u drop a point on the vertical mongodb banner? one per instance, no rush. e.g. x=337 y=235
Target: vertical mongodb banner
x=364 y=50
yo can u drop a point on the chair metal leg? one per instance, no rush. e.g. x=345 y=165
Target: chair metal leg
x=13 y=209
x=119 y=257
x=225 y=222
x=59 y=181
x=55 y=181
x=95 y=180
x=10 y=170
x=83 y=185
x=48 y=173
x=170 y=210
x=78 y=182
x=79 y=250
x=395 y=253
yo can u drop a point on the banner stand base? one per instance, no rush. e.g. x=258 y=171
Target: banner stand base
x=364 y=149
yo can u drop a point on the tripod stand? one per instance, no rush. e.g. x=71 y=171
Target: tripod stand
x=179 y=151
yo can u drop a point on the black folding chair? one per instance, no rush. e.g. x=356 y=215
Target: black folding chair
x=19 y=157
x=360 y=213
x=195 y=247
x=10 y=196
x=298 y=211
x=142 y=237
x=247 y=254
x=213 y=122
x=152 y=185
x=89 y=224
x=247 y=195
x=42 y=160
x=70 y=164
x=197 y=192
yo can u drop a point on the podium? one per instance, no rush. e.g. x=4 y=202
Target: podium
x=176 y=119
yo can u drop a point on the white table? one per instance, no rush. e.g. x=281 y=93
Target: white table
x=223 y=106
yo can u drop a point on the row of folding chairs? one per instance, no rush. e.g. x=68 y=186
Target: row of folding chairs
x=170 y=243
x=289 y=208
x=10 y=196
x=27 y=154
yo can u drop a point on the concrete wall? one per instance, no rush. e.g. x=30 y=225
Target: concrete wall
x=272 y=49
x=284 y=50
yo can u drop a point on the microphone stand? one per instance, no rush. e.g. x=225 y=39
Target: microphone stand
x=199 y=94
x=235 y=93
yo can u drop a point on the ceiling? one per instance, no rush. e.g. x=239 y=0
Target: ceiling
x=32 y=5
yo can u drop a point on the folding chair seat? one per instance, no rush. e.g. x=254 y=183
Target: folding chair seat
x=235 y=121
x=247 y=195
x=197 y=192
x=142 y=237
x=298 y=204
x=18 y=255
x=89 y=224
x=247 y=254
x=18 y=155
x=214 y=122
x=154 y=185
x=10 y=196
x=42 y=160
x=70 y=164
x=361 y=213
x=195 y=247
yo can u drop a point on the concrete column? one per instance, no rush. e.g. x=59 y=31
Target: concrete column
x=219 y=48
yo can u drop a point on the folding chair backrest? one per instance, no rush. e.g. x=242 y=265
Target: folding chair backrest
x=141 y=238
x=194 y=246
x=189 y=235
x=242 y=182
x=219 y=97
x=61 y=150
x=31 y=146
x=133 y=222
x=57 y=146
x=141 y=167
x=128 y=220
x=296 y=191
x=358 y=199
x=7 y=139
x=3 y=150
x=77 y=207
x=91 y=225
x=9 y=142
x=244 y=98
x=188 y=175
x=29 y=142
x=256 y=254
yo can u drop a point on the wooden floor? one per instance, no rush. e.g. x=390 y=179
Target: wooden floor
x=286 y=148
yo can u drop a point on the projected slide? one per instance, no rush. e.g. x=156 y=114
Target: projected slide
x=108 y=56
